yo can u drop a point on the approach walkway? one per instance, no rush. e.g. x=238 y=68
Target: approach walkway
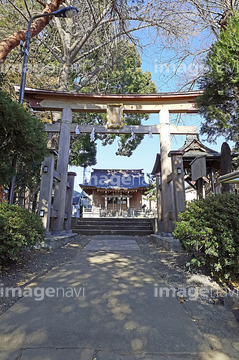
x=102 y=306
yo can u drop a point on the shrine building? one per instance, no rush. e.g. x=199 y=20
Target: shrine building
x=209 y=162
x=116 y=191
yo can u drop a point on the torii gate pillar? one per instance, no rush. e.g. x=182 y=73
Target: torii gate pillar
x=166 y=169
x=44 y=209
x=59 y=203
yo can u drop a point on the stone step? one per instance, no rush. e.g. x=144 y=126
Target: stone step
x=105 y=227
x=113 y=221
x=110 y=218
x=113 y=226
x=132 y=232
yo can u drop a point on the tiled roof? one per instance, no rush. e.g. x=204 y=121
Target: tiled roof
x=193 y=143
x=192 y=148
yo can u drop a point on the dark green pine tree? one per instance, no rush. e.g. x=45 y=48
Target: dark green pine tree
x=220 y=100
x=22 y=143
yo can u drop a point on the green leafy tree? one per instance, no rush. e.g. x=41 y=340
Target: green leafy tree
x=83 y=151
x=220 y=99
x=22 y=142
x=151 y=190
x=124 y=76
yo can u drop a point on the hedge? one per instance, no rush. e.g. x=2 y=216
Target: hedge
x=209 y=231
x=18 y=229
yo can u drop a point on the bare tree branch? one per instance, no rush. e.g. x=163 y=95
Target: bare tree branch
x=41 y=3
x=18 y=10
x=13 y=40
x=88 y=78
x=100 y=24
x=58 y=58
x=61 y=32
x=79 y=43
x=92 y=10
x=93 y=49
x=27 y=9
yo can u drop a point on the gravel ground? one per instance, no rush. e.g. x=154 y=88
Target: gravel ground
x=34 y=265
x=217 y=324
x=171 y=267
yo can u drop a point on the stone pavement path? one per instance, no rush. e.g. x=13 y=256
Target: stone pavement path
x=102 y=306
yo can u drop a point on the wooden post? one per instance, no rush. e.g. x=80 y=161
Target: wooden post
x=166 y=169
x=199 y=185
x=44 y=209
x=62 y=167
x=178 y=181
x=159 y=200
x=128 y=203
x=212 y=181
x=69 y=198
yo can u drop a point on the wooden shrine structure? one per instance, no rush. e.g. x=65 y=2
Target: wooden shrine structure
x=116 y=190
x=58 y=218
x=208 y=163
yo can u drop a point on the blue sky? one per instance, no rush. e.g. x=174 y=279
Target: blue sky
x=144 y=156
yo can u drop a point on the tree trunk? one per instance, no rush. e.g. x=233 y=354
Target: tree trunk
x=64 y=76
x=13 y=40
x=63 y=85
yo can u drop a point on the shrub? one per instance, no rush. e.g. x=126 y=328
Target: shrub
x=18 y=229
x=209 y=231
x=22 y=139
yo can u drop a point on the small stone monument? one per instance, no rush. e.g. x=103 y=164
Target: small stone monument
x=226 y=164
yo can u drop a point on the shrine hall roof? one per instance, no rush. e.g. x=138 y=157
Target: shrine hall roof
x=116 y=179
x=191 y=149
x=193 y=144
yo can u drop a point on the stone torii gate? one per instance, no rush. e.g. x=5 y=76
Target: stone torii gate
x=162 y=103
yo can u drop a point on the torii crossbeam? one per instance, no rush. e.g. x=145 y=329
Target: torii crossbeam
x=126 y=129
x=162 y=103
x=174 y=102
